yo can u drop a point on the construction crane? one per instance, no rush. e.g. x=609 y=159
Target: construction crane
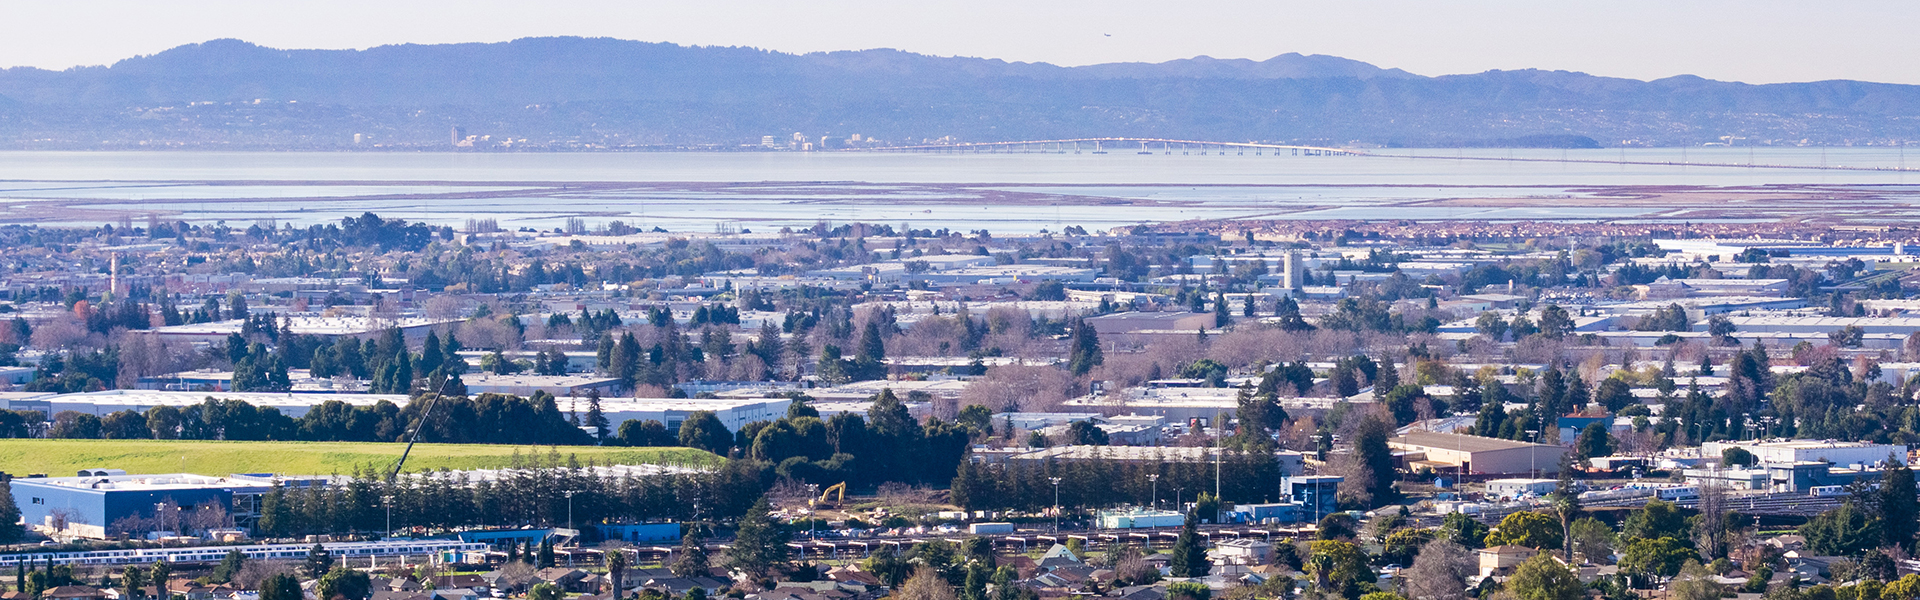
x=838 y=491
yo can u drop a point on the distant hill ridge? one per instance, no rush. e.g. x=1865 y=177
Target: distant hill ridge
x=618 y=92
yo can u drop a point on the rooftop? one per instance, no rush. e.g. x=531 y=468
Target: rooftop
x=170 y=481
x=308 y=324
x=1463 y=443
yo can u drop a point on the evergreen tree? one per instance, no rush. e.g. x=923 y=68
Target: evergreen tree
x=760 y=545
x=1189 y=554
x=1085 y=349
x=402 y=374
x=1371 y=451
x=133 y=582
x=450 y=355
x=229 y=566
x=431 y=354
x=281 y=586
x=344 y=583
x=704 y=431
x=1899 y=507
x=275 y=516
x=1593 y=441
x=871 y=362
x=319 y=561
x=10 y=528
x=160 y=574
x=1387 y=377
x=546 y=560
x=693 y=557
x=617 y=571
x=596 y=418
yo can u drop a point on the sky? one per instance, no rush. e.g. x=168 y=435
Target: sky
x=1756 y=41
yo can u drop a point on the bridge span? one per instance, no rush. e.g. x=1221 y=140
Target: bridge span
x=1122 y=145
x=1165 y=146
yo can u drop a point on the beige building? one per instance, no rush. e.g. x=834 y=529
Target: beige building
x=1500 y=560
x=1448 y=452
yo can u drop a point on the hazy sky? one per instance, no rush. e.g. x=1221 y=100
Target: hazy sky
x=1757 y=41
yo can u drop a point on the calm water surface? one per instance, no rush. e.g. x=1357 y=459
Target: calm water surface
x=926 y=190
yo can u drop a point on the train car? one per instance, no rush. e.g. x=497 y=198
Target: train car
x=1678 y=492
x=213 y=554
x=1827 y=491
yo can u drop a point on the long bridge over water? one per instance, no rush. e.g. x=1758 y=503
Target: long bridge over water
x=1166 y=146
x=1119 y=145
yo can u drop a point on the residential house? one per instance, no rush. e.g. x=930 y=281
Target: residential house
x=1058 y=556
x=853 y=576
x=678 y=586
x=1142 y=592
x=478 y=584
x=1501 y=560
x=572 y=581
x=188 y=589
x=1245 y=552
x=386 y=594
x=73 y=592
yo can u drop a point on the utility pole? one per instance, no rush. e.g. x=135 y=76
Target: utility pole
x=569 y=494
x=388 y=499
x=1056 y=504
x=1534 y=436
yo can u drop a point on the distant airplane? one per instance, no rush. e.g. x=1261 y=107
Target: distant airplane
x=1107 y=34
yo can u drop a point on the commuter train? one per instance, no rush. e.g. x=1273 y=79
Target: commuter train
x=1827 y=491
x=1678 y=492
x=213 y=554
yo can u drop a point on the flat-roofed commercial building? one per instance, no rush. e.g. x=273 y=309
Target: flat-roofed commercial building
x=413 y=328
x=732 y=412
x=1479 y=454
x=1841 y=453
x=106 y=502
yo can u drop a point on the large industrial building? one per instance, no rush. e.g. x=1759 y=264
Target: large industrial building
x=732 y=412
x=1845 y=454
x=412 y=328
x=1446 y=452
x=103 y=503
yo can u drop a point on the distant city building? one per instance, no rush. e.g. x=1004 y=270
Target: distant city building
x=1842 y=453
x=1446 y=452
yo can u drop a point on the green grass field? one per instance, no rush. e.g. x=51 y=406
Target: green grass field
x=60 y=458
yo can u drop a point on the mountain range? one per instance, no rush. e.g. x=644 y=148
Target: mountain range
x=587 y=93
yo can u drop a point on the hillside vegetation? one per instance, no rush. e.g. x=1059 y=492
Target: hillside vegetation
x=64 y=457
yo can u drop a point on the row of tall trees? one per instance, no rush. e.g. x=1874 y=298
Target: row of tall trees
x=487 y=418
x=1092 y=483
x=533 y=492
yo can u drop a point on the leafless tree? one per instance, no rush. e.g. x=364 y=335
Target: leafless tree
x=516 y=574
x=255 y=571
x=925 y=585
x=1028 y=388
x=1439 y=572
x=443 y=306
x=1710 y=533
x=59 y=333
x=208 y=515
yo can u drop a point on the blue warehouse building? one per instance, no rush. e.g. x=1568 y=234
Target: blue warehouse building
x=108 y=503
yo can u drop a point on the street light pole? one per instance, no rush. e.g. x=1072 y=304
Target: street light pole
x=388 y=499
x=569 y=494
x=1154 y=502
x=1534 y=435
x=1056 y=503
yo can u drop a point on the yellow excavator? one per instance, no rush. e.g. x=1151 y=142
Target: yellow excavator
x=838 y=491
